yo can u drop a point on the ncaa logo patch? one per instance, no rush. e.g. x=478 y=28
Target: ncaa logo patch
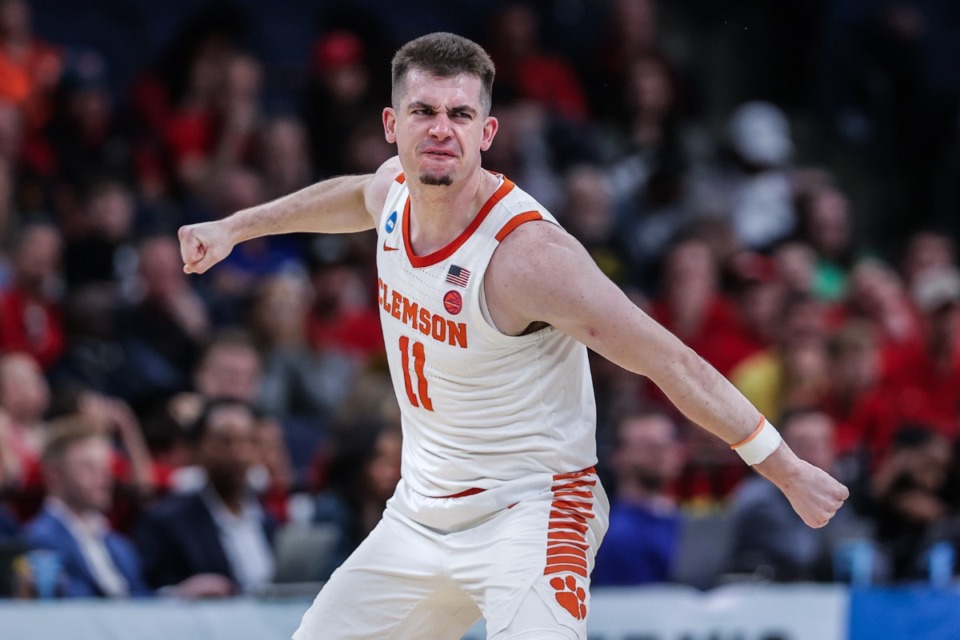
x=391 y=222
x=453 y=302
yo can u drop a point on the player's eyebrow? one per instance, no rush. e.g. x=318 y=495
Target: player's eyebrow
x=457 y=109
x=421 y=105
x=464 y=108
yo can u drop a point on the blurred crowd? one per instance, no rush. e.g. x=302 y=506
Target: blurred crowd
x=776 y=183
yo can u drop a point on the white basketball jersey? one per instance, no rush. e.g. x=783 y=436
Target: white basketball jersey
x=480 y=409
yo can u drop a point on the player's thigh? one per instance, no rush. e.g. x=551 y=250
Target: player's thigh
x=446 y=614
x=382 y=588
x=545 y=548
x=549 y=612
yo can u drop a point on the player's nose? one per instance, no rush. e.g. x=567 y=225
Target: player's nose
x=440 y=127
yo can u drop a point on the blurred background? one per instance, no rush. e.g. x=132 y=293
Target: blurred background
x=777 y=183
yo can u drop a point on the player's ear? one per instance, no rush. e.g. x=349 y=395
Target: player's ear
x=390 y=125
x=490 y=126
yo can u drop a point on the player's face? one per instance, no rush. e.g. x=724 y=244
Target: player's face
x=439 y=127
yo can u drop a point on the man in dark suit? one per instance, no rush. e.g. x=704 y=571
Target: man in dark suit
x=220 y=528
x=10 y=548
x=8 y=526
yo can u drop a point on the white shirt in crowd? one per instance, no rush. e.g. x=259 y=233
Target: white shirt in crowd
x=90 y=531
x=244 y=541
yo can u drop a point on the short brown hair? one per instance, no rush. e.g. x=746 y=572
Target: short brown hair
x=445 y=55
x=65 y=432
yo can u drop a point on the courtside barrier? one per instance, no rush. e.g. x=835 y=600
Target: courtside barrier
x=733 y=612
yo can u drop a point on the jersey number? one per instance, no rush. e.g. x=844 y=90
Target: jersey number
x=418 y=359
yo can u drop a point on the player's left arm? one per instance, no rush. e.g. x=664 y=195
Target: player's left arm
x=541 y=273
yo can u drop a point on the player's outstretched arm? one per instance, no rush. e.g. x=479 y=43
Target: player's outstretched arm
x=541 y=273
x=338 y=205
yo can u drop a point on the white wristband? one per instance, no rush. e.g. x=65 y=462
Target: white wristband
x=760 y=444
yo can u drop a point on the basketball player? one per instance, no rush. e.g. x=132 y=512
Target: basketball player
x=486 y=305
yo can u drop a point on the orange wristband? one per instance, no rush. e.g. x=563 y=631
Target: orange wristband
x=758 y=446
x=753 y=435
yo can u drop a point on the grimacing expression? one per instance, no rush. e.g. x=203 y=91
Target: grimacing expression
x=439 y=126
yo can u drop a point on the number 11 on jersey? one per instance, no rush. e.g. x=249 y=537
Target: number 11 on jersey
x=418 y=358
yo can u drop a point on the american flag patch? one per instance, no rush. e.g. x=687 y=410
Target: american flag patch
x=458 y=276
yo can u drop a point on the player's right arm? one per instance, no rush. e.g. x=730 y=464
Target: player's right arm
x=338 y=205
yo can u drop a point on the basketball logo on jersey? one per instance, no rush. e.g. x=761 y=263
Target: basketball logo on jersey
x=391 y=222
x=453 y=302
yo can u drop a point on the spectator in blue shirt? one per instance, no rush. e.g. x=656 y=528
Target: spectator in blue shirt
x=641 y=543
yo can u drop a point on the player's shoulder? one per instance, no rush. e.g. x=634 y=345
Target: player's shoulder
x=516 y=208
x=390 y=171
x=532 y=247
x=515 y=200
x=389 y=174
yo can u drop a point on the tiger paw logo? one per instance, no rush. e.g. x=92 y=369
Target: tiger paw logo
x=570 y=596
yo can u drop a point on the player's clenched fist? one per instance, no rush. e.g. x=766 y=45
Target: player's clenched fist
x=203 y=245
x=818 y=497
x=814 y=494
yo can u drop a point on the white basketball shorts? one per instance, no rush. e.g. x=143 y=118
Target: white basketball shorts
x=525 y=568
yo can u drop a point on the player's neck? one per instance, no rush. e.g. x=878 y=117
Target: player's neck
x=439 y=214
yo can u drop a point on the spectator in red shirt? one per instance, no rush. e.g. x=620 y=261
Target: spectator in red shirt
x=29 y=68
x=24 y=400
x=877 y=294
x=691 y=305
x=30 y=315
x=872 y=394
x=217 y=119
x=344 y=317
x=759 y=289
x=526 y=72
x=794 y=371
x=927 y=384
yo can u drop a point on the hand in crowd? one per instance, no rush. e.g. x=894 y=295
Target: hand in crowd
x=203 y=585
x=909 y=482
x=110 y=415
x=191 y=313
x=114 y=416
